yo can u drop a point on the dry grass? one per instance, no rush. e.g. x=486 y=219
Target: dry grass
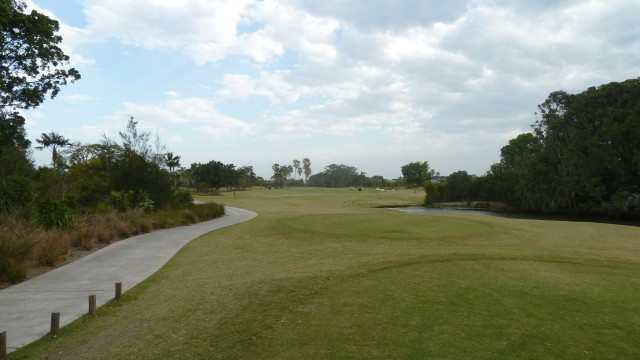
x=16 y=246
x=22 y=247
x=51 y=247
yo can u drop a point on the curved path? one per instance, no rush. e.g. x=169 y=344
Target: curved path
x=25 y=309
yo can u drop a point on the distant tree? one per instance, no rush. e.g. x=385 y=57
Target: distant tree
x=172 y=162
x=287 y=171
x=435 y=192
x=336 y=176
x=306 y=166
x=53 y=141
x=458 y=186
x=278 y=178
x=416 y=173
x=134 y=167
x=582 y=157
x=246 y=177
x=212 y=174
x=296 y=167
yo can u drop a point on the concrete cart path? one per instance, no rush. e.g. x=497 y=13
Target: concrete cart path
x=25 y=309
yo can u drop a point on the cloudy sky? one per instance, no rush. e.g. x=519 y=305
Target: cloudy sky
x=374 y=84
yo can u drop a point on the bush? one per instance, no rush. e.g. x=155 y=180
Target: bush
x=16 y=192
x=54 y=214
x=181 y=199
x=121 y=200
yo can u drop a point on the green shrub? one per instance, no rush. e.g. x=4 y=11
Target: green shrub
x=121 y=200
x=16 y=192
x=54 y=214
x=145 y=203
x=181 y=199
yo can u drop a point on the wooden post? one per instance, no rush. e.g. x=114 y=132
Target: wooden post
x=55 y=323
x=118 y=290
x=92 y=304
x=3 y=345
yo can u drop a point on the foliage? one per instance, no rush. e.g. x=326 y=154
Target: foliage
x=585 y=149
x=54 y=214
x=306 y=167
x=122 y=200
x=14 y=146
x=336 y=176
x=181 y=198
x=16 y=192
x=89 y=182
x=135 y=167
x=30 y=59
x=53 y=141
x=280 y=175
x=417 y=173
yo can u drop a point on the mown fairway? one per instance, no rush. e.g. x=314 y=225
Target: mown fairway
x=321 y=274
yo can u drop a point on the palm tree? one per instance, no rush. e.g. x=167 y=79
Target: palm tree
x=53 y=141
x=172 y=162
x=306 y=166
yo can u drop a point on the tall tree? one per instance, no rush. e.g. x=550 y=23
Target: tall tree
x=306 y=166
x=583 y=155
x=54 y=142
x=172 y=162
x=31 y=63
x=31 y=68
x=296 y=167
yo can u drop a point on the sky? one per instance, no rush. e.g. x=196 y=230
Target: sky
x=374 y=84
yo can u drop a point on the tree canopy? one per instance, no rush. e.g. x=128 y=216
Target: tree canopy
x=416 y=173
x=582 y=156
x=31 y=63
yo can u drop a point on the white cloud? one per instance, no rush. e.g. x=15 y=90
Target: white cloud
x=435 y=78
x=192 y=112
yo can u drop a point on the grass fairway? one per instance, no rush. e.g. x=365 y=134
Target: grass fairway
x=322 y=274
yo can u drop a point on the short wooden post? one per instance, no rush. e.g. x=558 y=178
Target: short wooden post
x=118 y=290
x=3 y=345
x=55 y=323
x=92 y=304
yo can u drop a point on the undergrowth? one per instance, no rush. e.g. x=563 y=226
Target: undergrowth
x=25 y=245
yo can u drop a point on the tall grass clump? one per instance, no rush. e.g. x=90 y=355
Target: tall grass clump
x=52 y=247
x=84 y=237
x=207 y=211
x=16 y=247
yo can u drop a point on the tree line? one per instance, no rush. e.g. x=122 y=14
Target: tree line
x=582 y=157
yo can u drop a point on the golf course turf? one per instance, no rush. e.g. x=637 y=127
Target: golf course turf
x=327 y=274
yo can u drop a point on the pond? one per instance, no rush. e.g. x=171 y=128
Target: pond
x=516 y=215
x=424 y=210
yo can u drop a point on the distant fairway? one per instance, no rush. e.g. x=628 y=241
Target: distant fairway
x=324 y=274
